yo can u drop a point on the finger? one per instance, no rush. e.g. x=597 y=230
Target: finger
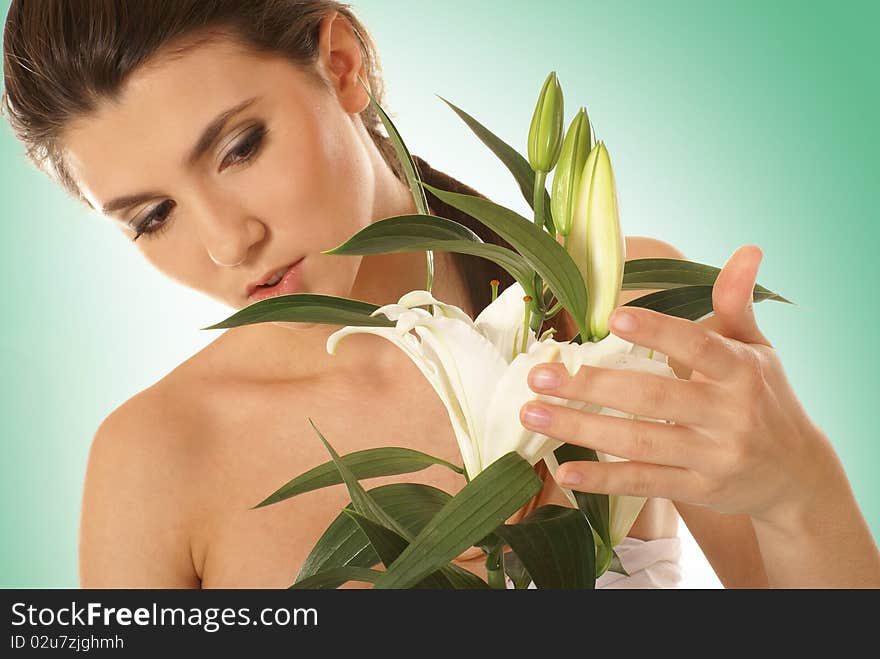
x=696 y=346
x=625 y=478
x=733 y=296
x=632 y=439
x=685 y=402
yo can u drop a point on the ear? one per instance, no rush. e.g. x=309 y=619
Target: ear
x=341 y=62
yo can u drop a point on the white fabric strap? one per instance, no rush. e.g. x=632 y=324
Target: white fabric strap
x=650 y=564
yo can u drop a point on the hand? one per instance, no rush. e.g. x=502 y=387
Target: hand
x=739 y=441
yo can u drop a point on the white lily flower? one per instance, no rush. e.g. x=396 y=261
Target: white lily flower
x=475 y=368
x=623 y=510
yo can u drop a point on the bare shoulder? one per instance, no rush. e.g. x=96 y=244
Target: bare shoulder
x=643 y=247
x=135 y=510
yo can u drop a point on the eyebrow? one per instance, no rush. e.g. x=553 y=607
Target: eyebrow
x=207 y=138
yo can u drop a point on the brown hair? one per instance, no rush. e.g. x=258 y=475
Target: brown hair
x=60 y=58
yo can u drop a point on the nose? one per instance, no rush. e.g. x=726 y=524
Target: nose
x=227 y=231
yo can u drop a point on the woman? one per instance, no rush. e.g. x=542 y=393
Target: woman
x=233 y=141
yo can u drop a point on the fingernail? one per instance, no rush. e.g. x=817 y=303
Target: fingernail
x=624 y=322
x=566 y=477
x=536 y=417
x=544 y=378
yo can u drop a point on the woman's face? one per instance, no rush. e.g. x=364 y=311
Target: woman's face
x=287 y=175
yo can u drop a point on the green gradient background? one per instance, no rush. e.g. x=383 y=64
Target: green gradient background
x=728 y=125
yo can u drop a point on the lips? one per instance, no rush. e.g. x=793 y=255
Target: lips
x=288 y=282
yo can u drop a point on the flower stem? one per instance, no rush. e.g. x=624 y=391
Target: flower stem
x=429 y=286
x=537 y=319
x=495 y=567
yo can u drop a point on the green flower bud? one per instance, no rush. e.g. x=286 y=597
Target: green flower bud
x=575 y=151
x=545 y=134
x=596 y=243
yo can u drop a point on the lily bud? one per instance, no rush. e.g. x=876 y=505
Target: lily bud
x=545 y=134
x=575 y=151
x=596 y=242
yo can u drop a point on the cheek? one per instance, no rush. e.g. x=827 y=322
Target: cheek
x=180 y=257
x=322 y=182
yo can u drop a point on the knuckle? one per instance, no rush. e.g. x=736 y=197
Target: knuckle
x=745 y=419
x=641 y=442
x=734 y=460
x=641 y=483
x=752 y=371
x=703 y=345
x=656 y=395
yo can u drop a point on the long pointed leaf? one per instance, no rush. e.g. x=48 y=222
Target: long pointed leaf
x=411 y=233
x=482 y=505
x=409 y=170
x=389 y=545
x=367 y=463
x=307 y=308
x=596 y=507
x=336 y=576
x=516 y=163
x=413 y=505
x=403 y=154
x=517 y=572
x=393 y=232
x=363 y=502
x=555 y=544
x=691 y=302
x=540 y=250
x=674 y=273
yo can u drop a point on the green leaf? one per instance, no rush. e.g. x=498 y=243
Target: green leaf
x=394 y=233
x=403 y=154
x=307 y=308
x=517 y=164
x=411 y=504
x=389 y=545
x=517 y=572
x=540 y=250
x=616 y=565
x=482 y=505
x=555 y=544
x=412 y=233
x=367 y=463
x=674 y=273
x=335 y=577
x=596 y=507
x=363 y=502
x=690 y=302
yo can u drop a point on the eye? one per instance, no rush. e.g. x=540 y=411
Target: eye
x=246 y=149
x=149 y=224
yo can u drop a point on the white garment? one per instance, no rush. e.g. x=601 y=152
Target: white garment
x=650 y=564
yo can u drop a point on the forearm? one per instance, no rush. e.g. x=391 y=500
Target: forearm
x=728 y=543
x=825 y=545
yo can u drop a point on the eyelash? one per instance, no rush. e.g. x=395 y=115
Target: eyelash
x=249 y=147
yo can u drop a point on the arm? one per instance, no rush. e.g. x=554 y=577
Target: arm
x=133 y=530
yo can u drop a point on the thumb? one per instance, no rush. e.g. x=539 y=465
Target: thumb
x=732 y=296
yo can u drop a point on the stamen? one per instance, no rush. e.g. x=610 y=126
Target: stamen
x=494 y=284
x=527 y=299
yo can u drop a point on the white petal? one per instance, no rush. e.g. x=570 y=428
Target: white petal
x=502 y=322
x=552 y=465
x=436 y=376
x=470 y=367
x=624 y=510
x=504 y=432
x=423 y=298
